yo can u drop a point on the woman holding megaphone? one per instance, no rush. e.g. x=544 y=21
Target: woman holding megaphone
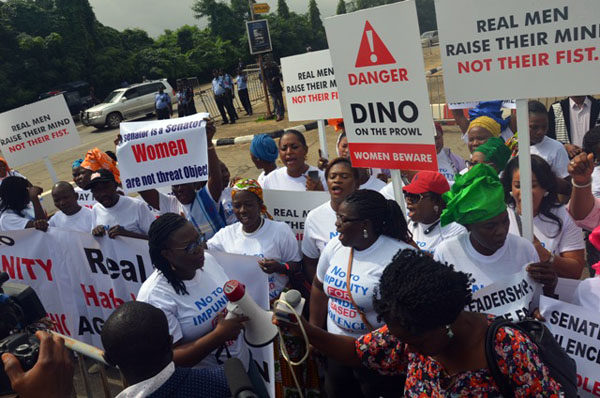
x=187 y=286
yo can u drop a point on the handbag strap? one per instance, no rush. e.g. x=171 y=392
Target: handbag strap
x=349 y=291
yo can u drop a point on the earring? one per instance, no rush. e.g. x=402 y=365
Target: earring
x=449 y=332
x=365 y=233
x=436 y=208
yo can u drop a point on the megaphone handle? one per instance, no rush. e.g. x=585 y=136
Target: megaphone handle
x=233 y=310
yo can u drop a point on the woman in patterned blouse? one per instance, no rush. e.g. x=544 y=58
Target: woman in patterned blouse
x=429 y=336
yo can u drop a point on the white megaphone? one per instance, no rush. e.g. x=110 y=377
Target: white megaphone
x=258 y=330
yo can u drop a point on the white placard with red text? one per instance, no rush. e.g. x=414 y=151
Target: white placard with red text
x=37 y=130
x=378 y=62
x=292 y=207
x=163 y=152
x=310 y=86
x=577 y=330
x=518 y=48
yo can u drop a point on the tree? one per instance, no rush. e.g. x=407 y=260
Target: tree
x=318 y=41
x=282 y=9
x=341 y=7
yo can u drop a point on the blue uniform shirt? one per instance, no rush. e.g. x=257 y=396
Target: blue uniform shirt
x=217 y=85
x=162 y=101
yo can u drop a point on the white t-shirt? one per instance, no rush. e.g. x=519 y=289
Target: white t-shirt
x=226 y=206
x=516 y=253
x=554 y=153
x=446 y=167
x=388 y=191
x=82 y=221
x=86 y=198
x=596 y=182
x=546 y=230
x=279 y=179
x=373 y=183
x=193 y=315
x=435 y=235
x=274 y=240
x=131 y=214
x=367 y=267
x=319 y=229
x=587 y=294
x=261 y=178
x=11 y=221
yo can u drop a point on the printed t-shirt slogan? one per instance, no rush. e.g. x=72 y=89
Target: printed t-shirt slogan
x=310 y=86
x=383 y=93
x=34 y=131
x=519 y=48
x=163 y=152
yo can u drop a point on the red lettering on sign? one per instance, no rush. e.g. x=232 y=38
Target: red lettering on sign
x=143 y=152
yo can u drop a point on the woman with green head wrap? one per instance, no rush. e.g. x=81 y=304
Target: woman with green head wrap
x=494 y=152
x=487 y=251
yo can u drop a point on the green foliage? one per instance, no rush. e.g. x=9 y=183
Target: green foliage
x=282 y=9
x=341 y=7
x=319 y=41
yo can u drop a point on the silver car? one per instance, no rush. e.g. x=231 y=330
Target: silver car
x=126 y=103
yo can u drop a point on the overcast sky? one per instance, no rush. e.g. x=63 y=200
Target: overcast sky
x=154 y=16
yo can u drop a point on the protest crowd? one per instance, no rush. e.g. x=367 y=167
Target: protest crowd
x=397 y=300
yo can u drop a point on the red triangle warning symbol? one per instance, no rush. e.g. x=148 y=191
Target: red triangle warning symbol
x=372 y=51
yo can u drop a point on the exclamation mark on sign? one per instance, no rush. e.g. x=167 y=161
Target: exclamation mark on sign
x=373 y=56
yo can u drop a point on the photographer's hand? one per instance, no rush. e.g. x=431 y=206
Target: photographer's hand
x=52 y=374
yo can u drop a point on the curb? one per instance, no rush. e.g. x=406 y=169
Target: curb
x=275 y=134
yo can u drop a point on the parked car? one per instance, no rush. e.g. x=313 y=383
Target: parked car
x=430 y=38
x=128 y=103
x=77 y=95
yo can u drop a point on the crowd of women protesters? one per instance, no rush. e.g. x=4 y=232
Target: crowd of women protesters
x=386 y=290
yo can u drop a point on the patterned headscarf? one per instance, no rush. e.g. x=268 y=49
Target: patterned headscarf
x=253 y=186
x=95 y=160
x=492 y=109
x=76 y=163
x=475 y=196
x=487 y=123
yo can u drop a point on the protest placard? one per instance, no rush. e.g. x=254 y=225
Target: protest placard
x=518 y=48
x=509 y=297
x=293 y=207
x=163 y=152
x=381 y=82
x=577 y=330
x=37 y=130
x=310 y=86
x=508 y=104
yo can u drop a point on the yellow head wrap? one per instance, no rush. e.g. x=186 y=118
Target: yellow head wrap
x=487 y=123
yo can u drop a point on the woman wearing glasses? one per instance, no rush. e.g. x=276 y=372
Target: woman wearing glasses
x=187 y=286
x=425 y=205
x=256 y=234
x=371 y=230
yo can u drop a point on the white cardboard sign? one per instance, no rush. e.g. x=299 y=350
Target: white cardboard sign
x=37 y=130
x=378 y=62
x=310 y=86
x=577 y=330
x=509 y=297
x=518 y=48
x=163 y=152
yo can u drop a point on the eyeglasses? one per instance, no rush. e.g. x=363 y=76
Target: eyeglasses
x=344 y=220
x=191 y=247
x=414 y=197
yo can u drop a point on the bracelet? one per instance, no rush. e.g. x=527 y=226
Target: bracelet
x=581 y=186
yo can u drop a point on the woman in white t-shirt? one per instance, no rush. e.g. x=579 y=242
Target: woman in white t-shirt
x=487 y=252
x=16 y=193
x=187 y=286
x=449 y=163
x=371 y=231
x=296 y=175
x=256 y=234
x=319 y=226
x=263 y=153
x=425 y=205
x=558 y=240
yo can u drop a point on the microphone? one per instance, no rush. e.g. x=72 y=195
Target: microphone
x=237 y=379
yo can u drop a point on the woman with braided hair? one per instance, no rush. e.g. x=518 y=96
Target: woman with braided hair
x=371 y=230
x=187 y=286
x=429 y=337
x=257 y=234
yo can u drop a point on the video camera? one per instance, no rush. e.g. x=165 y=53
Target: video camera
x=20 y=310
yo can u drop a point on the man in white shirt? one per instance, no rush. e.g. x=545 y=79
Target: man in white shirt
x=115 y=214
x=571 y=118
x=71 y=215
x=136 y=339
